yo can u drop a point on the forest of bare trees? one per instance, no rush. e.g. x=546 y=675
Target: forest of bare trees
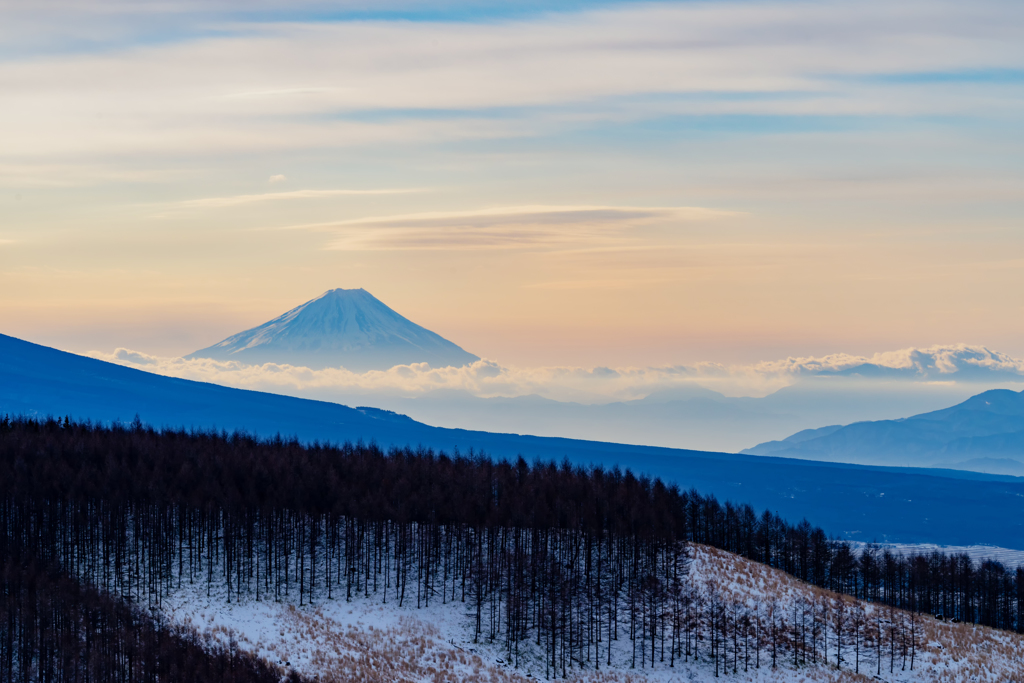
x=54 y=628
x=567 y=564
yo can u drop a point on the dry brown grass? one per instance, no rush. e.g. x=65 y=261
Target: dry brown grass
x=948 y=653
x=412 y=652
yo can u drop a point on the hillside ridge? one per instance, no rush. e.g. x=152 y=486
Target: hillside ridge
x=985 y=433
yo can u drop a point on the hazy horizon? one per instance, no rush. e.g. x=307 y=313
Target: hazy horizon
x=703 y=406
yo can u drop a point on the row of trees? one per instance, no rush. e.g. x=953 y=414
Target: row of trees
x=947 y=584
x=575 y=566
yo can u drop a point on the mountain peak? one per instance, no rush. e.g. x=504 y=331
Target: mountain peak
x=341 y=327
x=341 y=291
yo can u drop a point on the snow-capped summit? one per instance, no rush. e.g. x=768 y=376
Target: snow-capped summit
x=341 y=327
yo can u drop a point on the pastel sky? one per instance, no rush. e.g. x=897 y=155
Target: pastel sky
x=544 y=183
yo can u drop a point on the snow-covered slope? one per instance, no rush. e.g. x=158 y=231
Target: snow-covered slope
x=369 y=640
x=341 y=327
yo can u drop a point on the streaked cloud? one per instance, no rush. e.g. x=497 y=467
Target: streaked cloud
x=238 y=200
x=318 y=84
x=611 y=283
x=507 y=227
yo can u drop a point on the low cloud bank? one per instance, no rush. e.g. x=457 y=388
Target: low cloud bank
x=955 y=362
x=485 y=378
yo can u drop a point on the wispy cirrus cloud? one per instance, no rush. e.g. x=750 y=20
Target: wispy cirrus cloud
x=506 y=227
x=315 y=84
x=243 y=199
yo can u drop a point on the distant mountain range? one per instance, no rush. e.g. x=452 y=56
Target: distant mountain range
x=688 y=416
x=341 y=328
x=851 y=501
x=985 y=433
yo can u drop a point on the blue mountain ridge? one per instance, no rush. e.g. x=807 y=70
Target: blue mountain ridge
x=984 y=433
x=904 y=505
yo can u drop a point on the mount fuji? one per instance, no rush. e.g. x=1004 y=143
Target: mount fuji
x=341 y=327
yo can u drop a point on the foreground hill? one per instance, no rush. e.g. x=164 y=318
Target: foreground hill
x=985 y=433
x=863 y=503
x=340 y=328
x=369 y=639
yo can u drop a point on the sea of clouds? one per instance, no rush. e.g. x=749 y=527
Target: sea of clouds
x=960 y=363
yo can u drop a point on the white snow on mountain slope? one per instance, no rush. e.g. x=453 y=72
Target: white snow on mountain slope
x=368 y=640
x=342 y=327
